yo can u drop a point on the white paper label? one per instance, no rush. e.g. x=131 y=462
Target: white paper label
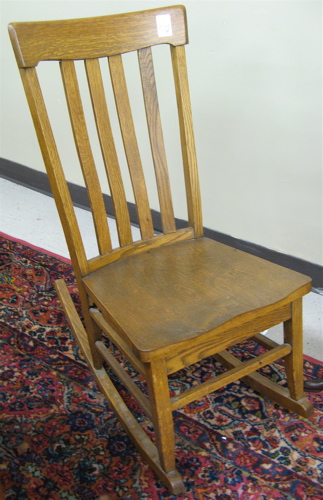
x=164 y=25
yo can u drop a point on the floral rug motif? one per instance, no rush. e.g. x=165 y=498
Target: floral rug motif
x=60 y=440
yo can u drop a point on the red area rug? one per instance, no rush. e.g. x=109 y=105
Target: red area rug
x=59 y=439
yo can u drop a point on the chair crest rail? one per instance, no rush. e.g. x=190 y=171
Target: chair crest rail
x=57 y=40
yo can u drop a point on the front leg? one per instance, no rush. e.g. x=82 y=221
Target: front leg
x=293 y=335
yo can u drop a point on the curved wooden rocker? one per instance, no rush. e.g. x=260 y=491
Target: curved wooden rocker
x=168 y=300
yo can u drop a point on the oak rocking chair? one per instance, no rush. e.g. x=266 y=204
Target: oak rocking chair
x=170 y=299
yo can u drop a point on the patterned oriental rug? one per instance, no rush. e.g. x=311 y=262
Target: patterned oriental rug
x=59 y=439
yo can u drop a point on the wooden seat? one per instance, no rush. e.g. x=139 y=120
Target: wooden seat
x=172 y=298
x=175 y=293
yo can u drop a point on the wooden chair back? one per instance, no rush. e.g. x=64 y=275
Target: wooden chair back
x=96 y=42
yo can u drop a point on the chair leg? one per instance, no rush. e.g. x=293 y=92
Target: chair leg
x=293 y=335
x=162 y=416
x=93 y=332
x=150 y=453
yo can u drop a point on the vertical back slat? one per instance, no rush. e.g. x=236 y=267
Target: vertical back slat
x=83 y=146
x=187 y=140
x=109 y=153
x=131 y=147
x=156 y=139
x=54 y=170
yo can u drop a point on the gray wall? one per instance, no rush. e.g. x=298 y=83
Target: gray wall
x=255 y=78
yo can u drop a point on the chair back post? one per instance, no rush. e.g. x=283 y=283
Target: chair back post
x=187 y=140
x=54 y=170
